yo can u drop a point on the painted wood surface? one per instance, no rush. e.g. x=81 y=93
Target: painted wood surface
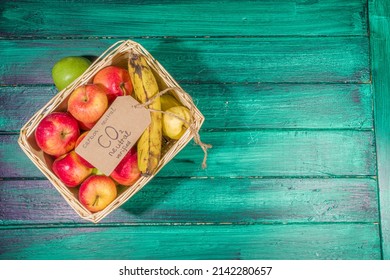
x=380 y=46
x=314 y=241
x=289 y=111
x=247 y=153
x=208 y=60
x=182 y=18
x=236 y=106
x=223 y=200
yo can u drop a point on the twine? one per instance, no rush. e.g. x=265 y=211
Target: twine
x=194 y=132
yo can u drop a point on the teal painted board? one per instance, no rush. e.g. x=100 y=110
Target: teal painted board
x=284 y=106
x=224 y=200
x=182 y=18
x=207 y=60
x=19 y=104
x=380 y=51
x=286 y=90
x=279 y=153
x=296 y=241
x=247 y=153
x=236 y=106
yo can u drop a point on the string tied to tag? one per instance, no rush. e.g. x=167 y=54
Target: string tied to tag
x=193 y=131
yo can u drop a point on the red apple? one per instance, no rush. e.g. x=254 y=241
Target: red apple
x=88 y=103
x=116 y=80
x=70 y=169
x=96 y=192
x=81 y=137
x=57 y=133
x=127 y=172
x=86 y=126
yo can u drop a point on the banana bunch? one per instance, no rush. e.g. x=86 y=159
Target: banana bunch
x=145 y=88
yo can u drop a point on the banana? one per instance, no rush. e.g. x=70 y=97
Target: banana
x=168 y=101
x=145 y=87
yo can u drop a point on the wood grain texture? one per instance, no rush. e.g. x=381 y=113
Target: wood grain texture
x=235 y=106
x=279 y=153
x=247 y=153
x=285 y=88
x=19 y=104
x=314 y=241
x=183 y=18
x=380 y=49
x=207 y=60
x=182 y=200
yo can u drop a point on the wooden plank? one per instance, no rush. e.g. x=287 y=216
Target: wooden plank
x=19 y=104
x=247 y=153
x=236 y=106
x=312 y=241
x=211 y=60
x=175 y=200
x=380 y=48
x=303 y=106
x=184 y=18
x=279 y=153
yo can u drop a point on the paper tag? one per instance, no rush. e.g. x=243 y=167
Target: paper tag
x=114 y=134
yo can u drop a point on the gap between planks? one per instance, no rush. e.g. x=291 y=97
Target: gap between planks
x=322 y=177
x=369 y=82
x=176 y=224
x=28 y=37
x=16 y=132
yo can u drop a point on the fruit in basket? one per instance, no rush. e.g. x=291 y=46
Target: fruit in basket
x=175 y=121
x=116 y=80
x=88 y=103
x=71 y=169
x=57 y=133
x=145 y=88
x=68 y=69
x=86 y=126
x=96 y=192
x=81 y=137
x=127 y=172
x=168 y=101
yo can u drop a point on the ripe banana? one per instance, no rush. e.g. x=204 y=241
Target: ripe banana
x=145 y=87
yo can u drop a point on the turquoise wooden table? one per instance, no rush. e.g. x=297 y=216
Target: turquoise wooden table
x=296 y=96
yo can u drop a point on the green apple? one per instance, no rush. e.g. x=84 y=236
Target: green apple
x=68 y=69
x=176 y=121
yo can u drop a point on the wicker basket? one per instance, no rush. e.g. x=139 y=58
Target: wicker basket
x=117 y=55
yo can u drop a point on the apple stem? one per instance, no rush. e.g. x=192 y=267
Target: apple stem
x=85 y=96
x=95 y=203
x=122 y=86
x=64 y=134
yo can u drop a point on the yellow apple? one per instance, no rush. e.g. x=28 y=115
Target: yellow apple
x=168 y=101
x=176 y=121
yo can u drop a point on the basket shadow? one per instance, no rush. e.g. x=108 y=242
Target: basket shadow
x=148 y=203
x=91 y=58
